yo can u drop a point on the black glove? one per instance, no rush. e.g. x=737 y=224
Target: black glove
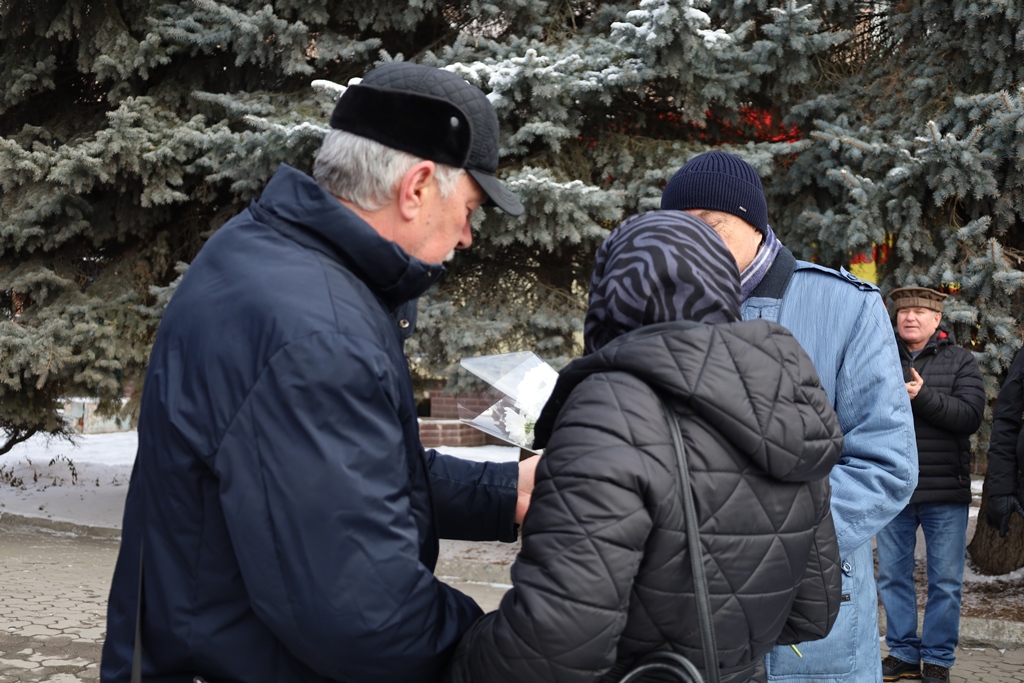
x=1000 y=510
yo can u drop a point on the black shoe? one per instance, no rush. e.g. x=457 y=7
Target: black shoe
x=933 y=673
x=894 y=669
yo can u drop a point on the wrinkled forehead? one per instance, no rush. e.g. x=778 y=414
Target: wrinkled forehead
x=917 y=311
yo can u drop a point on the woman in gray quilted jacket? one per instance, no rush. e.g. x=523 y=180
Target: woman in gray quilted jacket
x=604 y=576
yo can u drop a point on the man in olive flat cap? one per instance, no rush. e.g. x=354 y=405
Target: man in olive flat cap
x=948 y=400
x=282 y=521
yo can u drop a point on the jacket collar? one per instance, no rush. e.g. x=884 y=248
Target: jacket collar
x=296 y=206
x=941 y=337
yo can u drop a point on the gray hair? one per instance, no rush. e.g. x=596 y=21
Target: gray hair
x=365 y=172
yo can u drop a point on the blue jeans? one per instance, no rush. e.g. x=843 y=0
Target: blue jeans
x=945 y=537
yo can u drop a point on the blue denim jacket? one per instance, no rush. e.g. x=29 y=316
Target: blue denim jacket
x=842 y=324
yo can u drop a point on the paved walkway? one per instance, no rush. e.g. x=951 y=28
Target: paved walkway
x=986 y=665
x=55 y=583
x=53 y=612
x=54 y=586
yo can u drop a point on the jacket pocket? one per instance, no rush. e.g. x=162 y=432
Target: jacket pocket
x=833 y=656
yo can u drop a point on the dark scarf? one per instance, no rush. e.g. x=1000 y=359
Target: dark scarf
x=657 y=267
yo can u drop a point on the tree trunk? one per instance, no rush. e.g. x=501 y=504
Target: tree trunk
x=992 y=554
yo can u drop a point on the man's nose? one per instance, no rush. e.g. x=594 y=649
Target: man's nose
x=466 y=237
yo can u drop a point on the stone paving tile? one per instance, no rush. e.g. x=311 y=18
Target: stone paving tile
x=974 y=665
x=52 y=618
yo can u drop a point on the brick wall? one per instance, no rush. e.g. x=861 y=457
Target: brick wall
x=444 y=428
x=446 y=407
x=438 y=432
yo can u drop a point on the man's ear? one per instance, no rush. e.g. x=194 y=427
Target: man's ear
x=413 y=188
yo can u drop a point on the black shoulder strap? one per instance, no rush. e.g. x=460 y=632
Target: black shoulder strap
x=700 y=581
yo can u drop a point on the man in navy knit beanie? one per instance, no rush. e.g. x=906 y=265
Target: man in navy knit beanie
x=716 y=181
x=726 y=192
x=843 y=325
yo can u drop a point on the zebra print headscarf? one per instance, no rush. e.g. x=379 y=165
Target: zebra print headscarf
x=659 y=267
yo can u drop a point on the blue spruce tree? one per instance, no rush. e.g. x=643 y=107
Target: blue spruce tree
x=130 y=131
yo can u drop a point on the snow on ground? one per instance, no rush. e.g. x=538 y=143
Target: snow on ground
x=85 y=482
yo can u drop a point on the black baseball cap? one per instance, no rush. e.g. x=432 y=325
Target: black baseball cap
x=432 y=114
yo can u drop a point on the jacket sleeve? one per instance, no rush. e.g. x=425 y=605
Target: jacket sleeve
x=1006 y=446
x=877 y=472
x=583 y=540
x=816 y=606
x=960 y=411
x=474 y=501
x=315 y=487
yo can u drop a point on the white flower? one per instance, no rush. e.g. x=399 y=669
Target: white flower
x=529 y=398
x=520 y=431
x=532 y=393
x=525 y=383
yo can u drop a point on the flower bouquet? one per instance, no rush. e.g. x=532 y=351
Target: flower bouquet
x=519 y=386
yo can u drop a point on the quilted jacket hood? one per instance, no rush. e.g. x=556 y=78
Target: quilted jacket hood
x=749 y=380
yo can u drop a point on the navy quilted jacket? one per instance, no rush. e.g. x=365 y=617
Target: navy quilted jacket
x=289 y=514
x=604 y=572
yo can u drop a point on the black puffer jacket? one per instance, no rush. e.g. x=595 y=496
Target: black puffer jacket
x=947 y=410
x=604 y=573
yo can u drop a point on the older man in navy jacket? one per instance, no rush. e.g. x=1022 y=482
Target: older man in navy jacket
x=282 y=512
